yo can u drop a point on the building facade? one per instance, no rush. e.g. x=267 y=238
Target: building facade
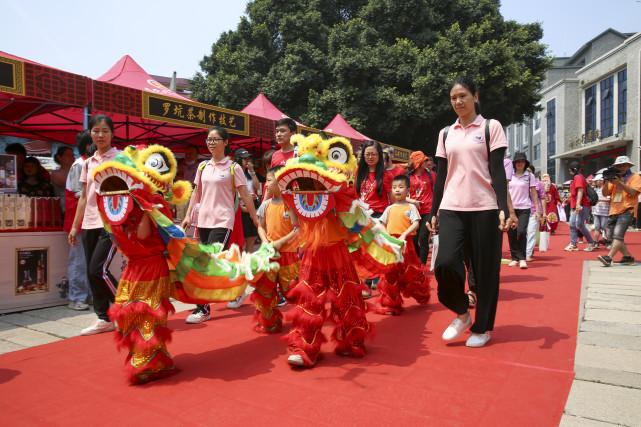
x=590 y=106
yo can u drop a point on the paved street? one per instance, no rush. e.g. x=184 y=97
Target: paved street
x=37 y=327
x=607 y=387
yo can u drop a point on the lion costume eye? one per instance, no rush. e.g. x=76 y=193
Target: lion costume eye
x=338 y=154
x=158 y=162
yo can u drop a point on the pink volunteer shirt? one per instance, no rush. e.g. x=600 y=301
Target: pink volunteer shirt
x=468 y=186
x=214 y=191
x=92 y=218
x=520 y=190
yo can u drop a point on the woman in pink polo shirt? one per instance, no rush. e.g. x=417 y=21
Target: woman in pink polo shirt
x=95 y=239
x=216 y=187
x=469 y=207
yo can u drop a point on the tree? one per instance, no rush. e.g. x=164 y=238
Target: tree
x=386 y=65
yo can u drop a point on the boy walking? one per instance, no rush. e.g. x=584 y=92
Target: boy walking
x=408 y=278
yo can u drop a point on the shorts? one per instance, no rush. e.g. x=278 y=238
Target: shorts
x=249 y=229
x=601 y=222
x=618 y=224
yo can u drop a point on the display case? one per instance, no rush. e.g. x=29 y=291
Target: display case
x=32 y=265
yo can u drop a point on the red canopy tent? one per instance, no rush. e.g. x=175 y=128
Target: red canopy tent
x=261 y=106
x=339 y=126
x=40 y=102
x=145 y=111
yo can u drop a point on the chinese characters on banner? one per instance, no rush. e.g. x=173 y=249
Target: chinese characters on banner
x=177 y=111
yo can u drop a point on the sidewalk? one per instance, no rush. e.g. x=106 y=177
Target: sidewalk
x=607 y=388
x=37 y=327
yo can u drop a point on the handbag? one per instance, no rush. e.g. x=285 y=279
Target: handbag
x=544 y=241
x=561 y=210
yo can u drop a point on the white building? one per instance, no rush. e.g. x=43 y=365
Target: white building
x=589 y=108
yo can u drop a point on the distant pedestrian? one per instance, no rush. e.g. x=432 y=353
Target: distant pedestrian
x=623 y=189
x=579 y=208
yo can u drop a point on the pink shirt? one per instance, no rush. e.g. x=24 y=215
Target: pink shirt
x=92 y=218
x=214 y=191
x=468 y=186
x=520 y=190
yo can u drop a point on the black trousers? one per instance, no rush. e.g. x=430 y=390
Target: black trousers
x=480 y=231
x=422 y=239
x=209 y=236
x=97 y=246
x=518 y=237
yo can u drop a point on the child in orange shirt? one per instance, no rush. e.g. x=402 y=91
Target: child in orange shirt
x=408 y=277
x=279 y=224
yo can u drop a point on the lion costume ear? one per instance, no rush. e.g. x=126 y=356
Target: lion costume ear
x=180 y=193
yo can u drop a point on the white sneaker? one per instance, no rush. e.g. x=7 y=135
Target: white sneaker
x=513 y=264
x=477 y=340
x=238 y=301
x=98 y=328
x=296 y=360
x=456 y=328
x=198 y=317
x=522 y=264
x=78 y=306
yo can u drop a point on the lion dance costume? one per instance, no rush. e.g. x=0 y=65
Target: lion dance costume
x=139 y=182
x=340 y=241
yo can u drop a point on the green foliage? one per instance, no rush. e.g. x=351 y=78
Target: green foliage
x=386 y=65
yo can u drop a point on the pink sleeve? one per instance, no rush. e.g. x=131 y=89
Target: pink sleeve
x=440 y=146
x=497 y=135
x=239 y=176
x=83 y=172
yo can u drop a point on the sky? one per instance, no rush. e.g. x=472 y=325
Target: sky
x=163 y=36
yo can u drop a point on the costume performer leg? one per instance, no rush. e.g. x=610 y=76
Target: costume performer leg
x=413 y=281
x=140 y=312
x=265 y=295
x=408 y=278
x=328 y=274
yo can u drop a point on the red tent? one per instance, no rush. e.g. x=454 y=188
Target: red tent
x=339 y=126
x=261 y=106
x=145 y=111
x=40 y=102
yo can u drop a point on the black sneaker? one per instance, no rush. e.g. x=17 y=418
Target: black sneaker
x=605 y=260
x=626 y=260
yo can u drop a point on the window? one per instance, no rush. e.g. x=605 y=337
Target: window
x=590 y=109
x=607 y=106
x=550 y=121
x=622 y=99
x=537 y=151
x=536 y=122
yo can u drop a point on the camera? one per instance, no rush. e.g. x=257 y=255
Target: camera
x=610 y=174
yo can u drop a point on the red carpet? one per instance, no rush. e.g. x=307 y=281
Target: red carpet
x=231 y=376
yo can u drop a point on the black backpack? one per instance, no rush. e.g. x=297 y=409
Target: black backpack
x=591 y=195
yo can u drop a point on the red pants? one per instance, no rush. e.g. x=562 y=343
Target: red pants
x=407 y=278
x=265 y=296
x=327 y=275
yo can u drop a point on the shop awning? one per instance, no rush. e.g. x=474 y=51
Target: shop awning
x=40 y=102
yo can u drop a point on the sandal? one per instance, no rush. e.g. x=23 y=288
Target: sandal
x=471 y=297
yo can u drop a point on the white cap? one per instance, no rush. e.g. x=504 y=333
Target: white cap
x=622 y=160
